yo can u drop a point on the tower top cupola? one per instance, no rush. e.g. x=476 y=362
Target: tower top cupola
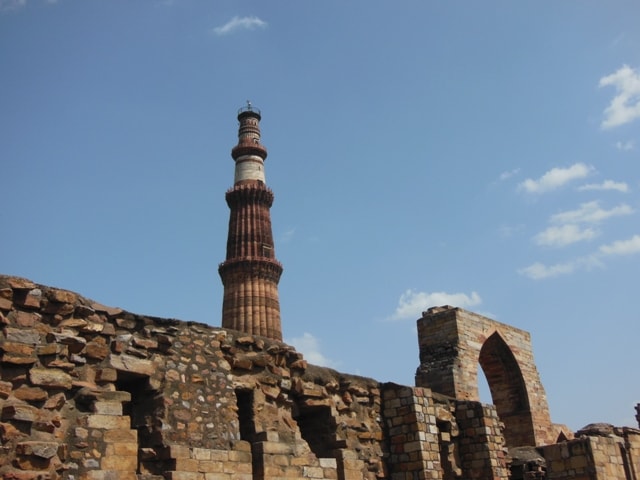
x=249 y=154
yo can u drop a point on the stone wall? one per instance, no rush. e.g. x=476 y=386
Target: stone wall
x=601 y=452
x=97 y=393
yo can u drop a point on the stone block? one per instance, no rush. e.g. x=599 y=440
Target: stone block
x=30 y=394
x=15 y=359
x=50 y=378
x=122 y=435
x=127 y=463
x=129 y=363
x=107 y=408
x=39 y=449
x=96 y=350
x=109 y=475
x=328 y=462
x=273 y=448
x=22 y=412
x=106 y=375
x=22 y=335
x=242 y=457
x=125 y=449
x=183 y=475
x=209 y=466
x=108 y=422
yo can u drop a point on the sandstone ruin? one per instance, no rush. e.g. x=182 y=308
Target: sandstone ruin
x=91 y=392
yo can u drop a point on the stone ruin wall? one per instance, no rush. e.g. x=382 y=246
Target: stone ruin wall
x=98 y=393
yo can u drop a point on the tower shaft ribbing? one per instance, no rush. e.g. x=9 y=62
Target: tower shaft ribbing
x=250 y=273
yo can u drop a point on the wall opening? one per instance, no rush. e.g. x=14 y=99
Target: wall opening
x=145 y=411
x=244 y=400
x=449 y=455
x=508 y=391
x=318 y=429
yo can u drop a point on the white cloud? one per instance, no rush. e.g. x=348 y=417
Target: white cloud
x=555 y=178
x=539 y=271
x=625 y=106
x=412 y=304
x=626 y=146
x=240 y=23
x=309 y=346
x=606 y=185
x=564 y=235
x=508 y=174
x=622 y=247
x=8 y=5
x=591 y=212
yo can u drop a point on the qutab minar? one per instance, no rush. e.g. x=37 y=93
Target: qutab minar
x=250 y=273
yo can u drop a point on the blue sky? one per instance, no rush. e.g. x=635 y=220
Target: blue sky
x=480 y=154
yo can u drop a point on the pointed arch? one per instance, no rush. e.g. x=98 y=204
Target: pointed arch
x=508 y=390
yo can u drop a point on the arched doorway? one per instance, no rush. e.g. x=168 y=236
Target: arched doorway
x=508 y=390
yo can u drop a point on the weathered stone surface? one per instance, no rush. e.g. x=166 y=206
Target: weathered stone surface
x=39 y=449
x=22 y=335
x=30 y=394
x=22 y=412
x=128 y=363
x=50 y=378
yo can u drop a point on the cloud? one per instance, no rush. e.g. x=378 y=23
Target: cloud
x=412 y=304
x=309 y=346
x=508 y=174
x=288 y=235
x=622 y=247
x=539 y=271
x=591 y=212
x=606 y=185
x=625 y=106
x=626 y=146
x=564 y=235
x=240 y=23
x=9 y=5
x=555 y=178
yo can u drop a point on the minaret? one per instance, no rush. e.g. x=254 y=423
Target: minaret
x=250 y=273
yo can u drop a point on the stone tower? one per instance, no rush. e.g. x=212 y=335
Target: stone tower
x=250 y=273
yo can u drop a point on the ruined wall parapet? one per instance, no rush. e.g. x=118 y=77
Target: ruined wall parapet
x=100 y=389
